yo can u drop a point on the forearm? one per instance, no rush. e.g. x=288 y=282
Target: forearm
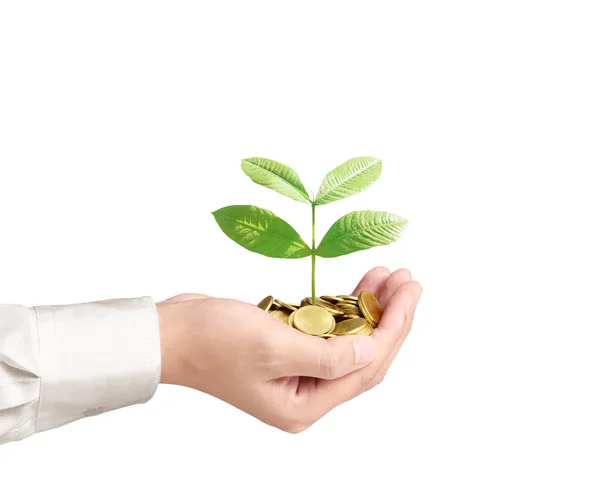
x=59 y=364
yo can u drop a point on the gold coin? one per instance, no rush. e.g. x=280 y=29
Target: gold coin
x=331 y=327
x=352 y=315
x=266 y=303
x=367 y=330
x=291 y=318
x=280 y=315
x=329 y=307
x=350 y=326
x=313 y=320
x=347 y=306
x=370 y=307
x=287 y=306
x=331 y=298
x=351 y=298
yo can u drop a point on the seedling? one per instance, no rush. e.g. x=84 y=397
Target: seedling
x=261 y=231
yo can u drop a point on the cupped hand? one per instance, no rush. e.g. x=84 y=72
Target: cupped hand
x=242 y=355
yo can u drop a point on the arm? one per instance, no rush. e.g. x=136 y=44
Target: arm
x=59 y=364
x=62 y=363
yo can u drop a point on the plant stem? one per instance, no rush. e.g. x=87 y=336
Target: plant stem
x=314 y=253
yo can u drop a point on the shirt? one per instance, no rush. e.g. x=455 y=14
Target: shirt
x=61 y=363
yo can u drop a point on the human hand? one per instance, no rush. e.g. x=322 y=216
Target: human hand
x=242 y=355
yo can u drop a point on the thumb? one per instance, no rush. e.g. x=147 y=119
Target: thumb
x=187 y=296
x=332 y=358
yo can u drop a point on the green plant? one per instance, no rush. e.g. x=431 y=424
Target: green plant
x=261 y=231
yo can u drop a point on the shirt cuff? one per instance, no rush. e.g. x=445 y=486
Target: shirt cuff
x=96 y=357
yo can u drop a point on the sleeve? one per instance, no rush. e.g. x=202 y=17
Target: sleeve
x=62 y=363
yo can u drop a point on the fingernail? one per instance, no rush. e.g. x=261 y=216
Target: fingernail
x=365 y=350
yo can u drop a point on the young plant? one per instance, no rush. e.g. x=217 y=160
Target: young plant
x=261 y=231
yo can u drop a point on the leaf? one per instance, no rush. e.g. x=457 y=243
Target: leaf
x=350 y=178
x=261 y=231
x=361 y=230
x=277 y=177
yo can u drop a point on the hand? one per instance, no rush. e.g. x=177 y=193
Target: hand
x=242 y=355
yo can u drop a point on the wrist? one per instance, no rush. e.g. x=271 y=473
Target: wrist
x=167 y=320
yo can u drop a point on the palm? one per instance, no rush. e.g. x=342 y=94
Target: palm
x=239 y=353
x=301 y=390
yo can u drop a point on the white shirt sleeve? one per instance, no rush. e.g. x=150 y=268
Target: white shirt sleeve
x=62 y=363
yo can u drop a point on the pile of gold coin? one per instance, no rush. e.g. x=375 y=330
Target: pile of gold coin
x=330 y=316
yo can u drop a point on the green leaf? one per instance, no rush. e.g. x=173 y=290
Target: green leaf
x=277 y=177
x=261 y=231
x=350 y=178
x=361 y=230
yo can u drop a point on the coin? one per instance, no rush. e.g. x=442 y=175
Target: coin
x=370 y=307
x=287 y=306
x=329 y=307
x=330 y=316
x=313 y=320
x=350 y=326
x=367 y=330
x=332 y=299
x=280 y=315
x=266 y=303
x=291 y=318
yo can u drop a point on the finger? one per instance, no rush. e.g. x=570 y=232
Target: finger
x=327 y=359
x=390 y=332
x=395 y=281
x=187 y=296
x=373 y=281
x=396 y=312
x=407 y=327
x=337 y=356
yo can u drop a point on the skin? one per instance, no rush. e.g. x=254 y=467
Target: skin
x=240 y=354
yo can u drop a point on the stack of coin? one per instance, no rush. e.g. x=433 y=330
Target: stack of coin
x=330 y=315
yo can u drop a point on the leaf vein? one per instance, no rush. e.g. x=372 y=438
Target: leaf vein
x=366 y=229
x=249 y=225
x=263 y=168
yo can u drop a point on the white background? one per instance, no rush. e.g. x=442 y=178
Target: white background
x=122 y=126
